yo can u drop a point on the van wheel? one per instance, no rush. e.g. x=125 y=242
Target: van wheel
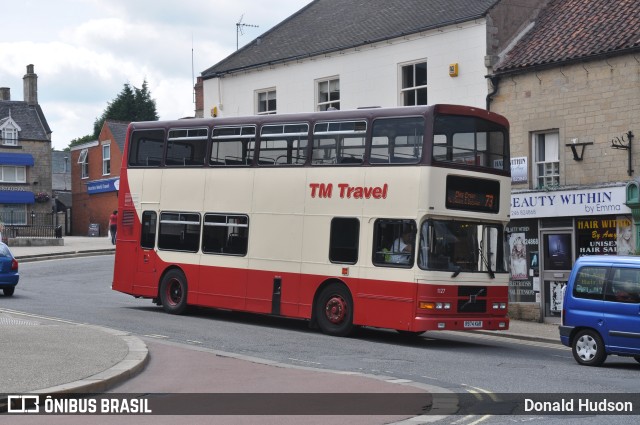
x=588 y=348
x=8 y=291
x=173 y=292
x=334 y=310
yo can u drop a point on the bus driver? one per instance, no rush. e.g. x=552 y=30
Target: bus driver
x=402 y=246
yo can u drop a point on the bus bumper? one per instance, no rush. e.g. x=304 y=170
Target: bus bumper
x=461 y=323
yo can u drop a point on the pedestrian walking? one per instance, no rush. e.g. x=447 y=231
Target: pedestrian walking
x=113 y=226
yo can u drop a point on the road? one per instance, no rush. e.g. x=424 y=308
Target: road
x=80 y=290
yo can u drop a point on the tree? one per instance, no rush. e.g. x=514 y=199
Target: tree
x=130 y=105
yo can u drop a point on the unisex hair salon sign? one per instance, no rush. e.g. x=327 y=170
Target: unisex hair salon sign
x=563 y=203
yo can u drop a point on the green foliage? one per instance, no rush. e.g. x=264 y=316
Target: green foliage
x=81 y=140
x=130 y=105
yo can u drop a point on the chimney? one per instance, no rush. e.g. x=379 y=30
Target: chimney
x=199 y=98
x=30 y=86
x=5 y=93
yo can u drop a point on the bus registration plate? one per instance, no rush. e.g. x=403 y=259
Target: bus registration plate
x=473 y=323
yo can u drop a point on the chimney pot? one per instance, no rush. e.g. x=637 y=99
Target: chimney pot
x=5 y=93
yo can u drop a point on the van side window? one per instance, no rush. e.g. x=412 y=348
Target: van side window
x=590 y=283
x=624 y=286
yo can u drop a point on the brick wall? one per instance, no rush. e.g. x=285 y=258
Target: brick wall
x=95 y=208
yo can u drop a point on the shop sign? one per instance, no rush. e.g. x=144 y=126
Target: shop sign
x=569 y=203
x=519 y=170
x=106 y=185
x=609 y=235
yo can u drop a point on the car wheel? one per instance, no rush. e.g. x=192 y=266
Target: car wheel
x=334 y=310
x=173 y=292
x=8 y=291
x=588 y=348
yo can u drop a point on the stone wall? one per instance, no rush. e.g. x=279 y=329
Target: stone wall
x=590 y=102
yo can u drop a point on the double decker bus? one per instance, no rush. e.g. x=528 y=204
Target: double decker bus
x=383 y=217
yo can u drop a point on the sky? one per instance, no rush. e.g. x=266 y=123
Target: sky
x=84 y=51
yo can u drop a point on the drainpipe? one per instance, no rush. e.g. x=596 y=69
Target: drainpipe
x=495 y=80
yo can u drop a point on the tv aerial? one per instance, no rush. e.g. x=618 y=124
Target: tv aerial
x=240 y=26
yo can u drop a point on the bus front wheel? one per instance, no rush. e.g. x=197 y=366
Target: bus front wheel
x=173 y=292
x=334 y=310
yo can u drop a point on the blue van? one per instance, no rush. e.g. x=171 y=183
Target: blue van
x=601 y=309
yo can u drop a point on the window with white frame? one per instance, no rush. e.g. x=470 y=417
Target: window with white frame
x=545 y=152
x=266 y=102
x=413 y=84
x=83 y=160
x=13 y=174
x=106 y=160
x=328 y=94
x=10 y=135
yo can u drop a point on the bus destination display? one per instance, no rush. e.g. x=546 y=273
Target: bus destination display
x=470 y=194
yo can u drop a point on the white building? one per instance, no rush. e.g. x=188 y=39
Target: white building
x=337 y=53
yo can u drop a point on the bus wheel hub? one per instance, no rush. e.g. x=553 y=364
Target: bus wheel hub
x=336 y=309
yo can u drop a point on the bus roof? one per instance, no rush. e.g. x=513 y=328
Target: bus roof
x=369 y=112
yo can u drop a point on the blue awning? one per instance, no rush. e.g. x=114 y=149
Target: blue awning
x=16 y=159
x=16 y=197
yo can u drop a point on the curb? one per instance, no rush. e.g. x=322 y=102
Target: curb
x=133 y=363
x=66 y=254
x=520 y=337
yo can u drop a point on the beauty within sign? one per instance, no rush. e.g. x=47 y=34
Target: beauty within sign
x=569 y=203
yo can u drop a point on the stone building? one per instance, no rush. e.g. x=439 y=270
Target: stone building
x=570 y=89
x=25 y=155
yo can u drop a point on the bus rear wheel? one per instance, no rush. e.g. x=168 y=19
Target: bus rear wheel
x=334 y=310
x=173 y=292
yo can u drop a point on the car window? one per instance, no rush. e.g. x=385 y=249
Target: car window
x=624 y=286
x=589 y=283
x=4 y=251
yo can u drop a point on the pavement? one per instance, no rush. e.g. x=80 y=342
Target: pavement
x=45 y=355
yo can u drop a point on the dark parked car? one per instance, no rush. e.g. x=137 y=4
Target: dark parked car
x=8 y=270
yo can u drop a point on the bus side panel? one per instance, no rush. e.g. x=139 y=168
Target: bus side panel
x=222 y=287
x=384 y=304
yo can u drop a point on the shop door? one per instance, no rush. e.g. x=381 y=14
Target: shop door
x=557 y=260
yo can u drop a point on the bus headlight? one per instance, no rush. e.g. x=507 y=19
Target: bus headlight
x=499 y=306
x=425 y=305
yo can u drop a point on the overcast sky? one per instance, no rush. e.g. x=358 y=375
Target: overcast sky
x=84 y=51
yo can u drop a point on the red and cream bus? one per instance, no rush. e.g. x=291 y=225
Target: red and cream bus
x=382 y=217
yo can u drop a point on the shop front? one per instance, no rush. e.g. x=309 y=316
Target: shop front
x=549 y=230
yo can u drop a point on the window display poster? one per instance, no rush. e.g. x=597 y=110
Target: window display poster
x=606 y=235
x=626 y=244
x=555 y=296
x=523 y=260
x=518 y=256
x=557 y=251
